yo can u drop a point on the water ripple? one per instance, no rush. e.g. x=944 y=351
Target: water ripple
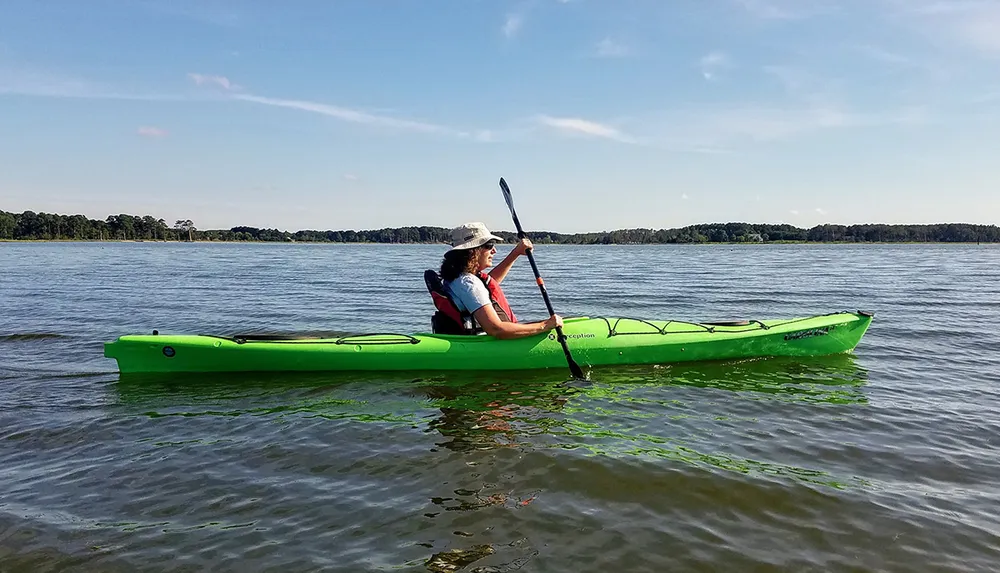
x=881 y=460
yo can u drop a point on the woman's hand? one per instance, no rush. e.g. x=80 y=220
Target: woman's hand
x=522 y=246
x=553 y=321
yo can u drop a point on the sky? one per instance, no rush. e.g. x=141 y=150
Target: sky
x=600 y=115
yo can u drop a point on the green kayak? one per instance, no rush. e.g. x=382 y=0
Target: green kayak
x=593 y=342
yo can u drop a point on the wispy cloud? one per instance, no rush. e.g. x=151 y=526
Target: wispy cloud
x=342 y=113
x=721 y=129
x=578 y=126
x=512 y=24
x=936 y=7
x=712 y=62
x=767 y=124
x=221 y=81
x=799 y=82
x=43 y=83
x=807 y=87
x=788 y=9
x=33 y=82
x=485 y=136
x=151 y=132
x=350 y=177
x=980 y=28
x=931 y=66
x=352 y=115
x=609 y=48
x=972 y=24
x=712 y=129
x=885 y=56
x=821 y=210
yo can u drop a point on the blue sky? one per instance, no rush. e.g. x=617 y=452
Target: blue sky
x=600 y=114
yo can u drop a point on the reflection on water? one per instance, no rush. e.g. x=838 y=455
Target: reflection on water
x=836 y=379
x=650 y=422
x=455 y=559
x=801 y=378
x=499 y=412
x=642 y=411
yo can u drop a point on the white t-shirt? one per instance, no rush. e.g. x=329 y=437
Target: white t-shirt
x=468 y=292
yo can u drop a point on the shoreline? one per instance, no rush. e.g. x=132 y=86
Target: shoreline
x=693 y=244
x=31 y=226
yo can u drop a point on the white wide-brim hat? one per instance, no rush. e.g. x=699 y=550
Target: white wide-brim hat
x=471 y=235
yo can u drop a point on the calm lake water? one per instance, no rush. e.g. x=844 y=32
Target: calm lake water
x=883 y=460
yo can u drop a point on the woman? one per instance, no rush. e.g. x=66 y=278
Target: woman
x=478 y=293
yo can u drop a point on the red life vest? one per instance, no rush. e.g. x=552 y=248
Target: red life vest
x=449 y=319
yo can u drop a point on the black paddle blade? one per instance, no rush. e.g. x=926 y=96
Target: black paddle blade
x=506 y=195
x=574 y=368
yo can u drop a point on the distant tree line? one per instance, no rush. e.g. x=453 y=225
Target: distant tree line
x=760 y=233
x=46 y=226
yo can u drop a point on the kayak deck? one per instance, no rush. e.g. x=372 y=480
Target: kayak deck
x=597 y=341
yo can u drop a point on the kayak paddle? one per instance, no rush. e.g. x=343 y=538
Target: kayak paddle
x=574 y=368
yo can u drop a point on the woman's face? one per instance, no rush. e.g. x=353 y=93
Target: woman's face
x=484 y=255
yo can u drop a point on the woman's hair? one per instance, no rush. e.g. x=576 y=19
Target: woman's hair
x=457 y=262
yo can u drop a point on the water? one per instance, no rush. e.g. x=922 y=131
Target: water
x=884 y=460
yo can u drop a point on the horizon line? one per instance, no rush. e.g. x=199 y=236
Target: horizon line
x=637 y=228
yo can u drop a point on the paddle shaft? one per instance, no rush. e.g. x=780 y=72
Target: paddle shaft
x=538 y=277
x=573 y=366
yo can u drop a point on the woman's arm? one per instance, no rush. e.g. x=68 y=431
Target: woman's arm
x=500 y=271
x=487 y=317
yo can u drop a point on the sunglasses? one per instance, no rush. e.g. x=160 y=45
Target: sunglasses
x=489 y=246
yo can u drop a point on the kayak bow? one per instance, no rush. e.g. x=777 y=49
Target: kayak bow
x=597 y=341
